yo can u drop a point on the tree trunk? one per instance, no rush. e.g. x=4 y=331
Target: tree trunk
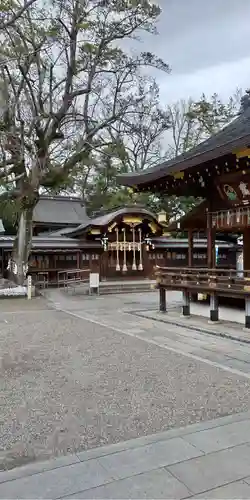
x=18 y=265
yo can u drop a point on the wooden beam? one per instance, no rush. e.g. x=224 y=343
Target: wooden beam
x=190 y=247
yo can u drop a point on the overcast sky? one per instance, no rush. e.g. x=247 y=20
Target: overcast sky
x=206 y=43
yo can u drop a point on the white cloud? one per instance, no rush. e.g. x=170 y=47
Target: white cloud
x=223 y=79
x=206 y=44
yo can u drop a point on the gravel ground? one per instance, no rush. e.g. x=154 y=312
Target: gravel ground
x=68 y=385
x=22 y=304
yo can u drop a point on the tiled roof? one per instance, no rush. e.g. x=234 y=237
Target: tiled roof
x=60 y=210
x=163 y=242
x=60 y=232
x=41 y=242
x=104 y=220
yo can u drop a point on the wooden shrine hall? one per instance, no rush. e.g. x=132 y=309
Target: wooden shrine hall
x=67 y=242
x=218 y=173
x=125 y=243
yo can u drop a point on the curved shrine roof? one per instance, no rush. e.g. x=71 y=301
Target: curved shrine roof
x=233 y=136
x=104 y=220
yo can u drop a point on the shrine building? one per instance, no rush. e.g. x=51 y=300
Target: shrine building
x=126 y=243
x=217 y=172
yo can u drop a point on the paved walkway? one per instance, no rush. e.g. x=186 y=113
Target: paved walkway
x=225 y=328
x=207 y=460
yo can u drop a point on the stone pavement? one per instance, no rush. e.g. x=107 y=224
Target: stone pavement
x=231 y=324
x=230 y=329
x=204 y=460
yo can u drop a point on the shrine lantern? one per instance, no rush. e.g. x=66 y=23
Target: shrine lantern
x=162 y=217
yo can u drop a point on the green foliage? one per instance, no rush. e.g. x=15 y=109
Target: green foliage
x=212 y=115
x=9 y=213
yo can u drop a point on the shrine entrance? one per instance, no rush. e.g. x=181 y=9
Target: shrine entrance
x=125 y=255
x=132 y=268
x=126 y=247
x=125 y=241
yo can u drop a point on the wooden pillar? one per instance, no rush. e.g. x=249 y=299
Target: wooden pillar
x=104 y=266
x=2 y=271
x=214 y=307
x=190 y=247
x=247 y=312
x=211 y=235
x=163 y=304
x=246 y=250
x=186 y=303
x=78 y=259
x=146 y=263
x=246 y=267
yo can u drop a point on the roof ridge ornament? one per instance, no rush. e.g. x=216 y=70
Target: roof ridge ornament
x=245 y=101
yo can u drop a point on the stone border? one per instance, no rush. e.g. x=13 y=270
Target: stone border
x=83 y=456
x=192 y=327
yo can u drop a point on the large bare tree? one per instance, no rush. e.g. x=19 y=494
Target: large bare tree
x=135 y=142
x=65 y=80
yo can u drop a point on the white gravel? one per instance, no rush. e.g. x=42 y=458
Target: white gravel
x=68 y=385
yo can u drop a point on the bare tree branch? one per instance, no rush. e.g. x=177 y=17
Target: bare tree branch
x=10 y=22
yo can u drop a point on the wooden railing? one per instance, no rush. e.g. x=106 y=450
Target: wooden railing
x=41 y=279
x=232 y=218
x=203 y=280
x=71 y=276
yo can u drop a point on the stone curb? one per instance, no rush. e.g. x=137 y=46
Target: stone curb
x=69 y=460
x=193 y=327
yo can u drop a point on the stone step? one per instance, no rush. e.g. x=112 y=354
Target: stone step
x=125 y=288
x=108 y=288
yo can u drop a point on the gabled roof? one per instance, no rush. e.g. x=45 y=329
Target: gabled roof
x=224 y=241
x=104 y=220
x=60 y=210
x=233 y=136
x=50 y=243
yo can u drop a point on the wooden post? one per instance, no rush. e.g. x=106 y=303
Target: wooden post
x=2 y=270
x=104 y=264
x=186 y=303
x=163 y=305
x=246 y=250
x=211 y=234
x=147 y=266
x=78 y=257
x=246 y=267
x=247 y=312
x=214 y=307
x=190 y=247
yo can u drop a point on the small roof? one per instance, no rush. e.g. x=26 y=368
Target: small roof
x=64 y=231
x=64 y=210
x=233 y=136
x=51 y=243
x=173 y=243
x=104 y=220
